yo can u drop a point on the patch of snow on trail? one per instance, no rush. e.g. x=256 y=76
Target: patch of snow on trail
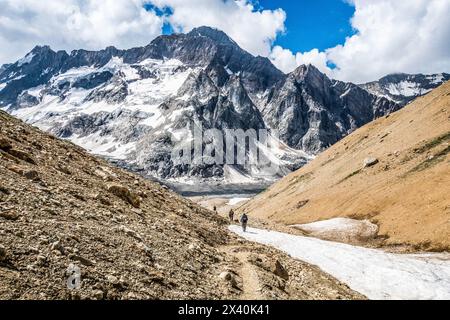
x=345 y=227
x=374 y=273
x=234 y=201
x=341 y=224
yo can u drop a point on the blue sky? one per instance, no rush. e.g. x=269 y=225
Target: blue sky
x=310 y=24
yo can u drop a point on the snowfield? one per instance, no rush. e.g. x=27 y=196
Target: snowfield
x=407 y=89
x=235 y=201
x=340 y=229
x=335 y=224
x=374 y=273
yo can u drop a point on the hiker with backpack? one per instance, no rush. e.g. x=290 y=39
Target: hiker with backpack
x=244 y=220
x=231 y=215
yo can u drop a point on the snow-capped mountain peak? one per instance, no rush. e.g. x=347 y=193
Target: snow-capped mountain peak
x=133 y=106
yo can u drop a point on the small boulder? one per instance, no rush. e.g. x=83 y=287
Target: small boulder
x=156 y=276
x=9 y=215
x=125 y=194
x=31 y=175
x=62 y=168
x=302 y=203
x=228 y=277
x=137 y=211
x=41 y=259
x=16 y=169
x=57 y=246
x=3 y=254
x=98 y=294
x=225 y=276
x=130 y=232
x=370 y=162
x=5 y=144
x=103 y=200
x=112 y=280
x=193 y=247
x=4 y=190
x=84 y=261
x=280 y=271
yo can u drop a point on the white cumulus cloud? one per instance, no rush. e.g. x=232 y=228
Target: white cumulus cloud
x=287 y=61
x=283 y=59
x=391 y=36
x=73 y=24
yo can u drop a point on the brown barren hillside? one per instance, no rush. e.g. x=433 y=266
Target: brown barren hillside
x=394 y=171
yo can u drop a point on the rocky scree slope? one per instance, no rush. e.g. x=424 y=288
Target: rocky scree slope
x=394 y=171
x=131 y=238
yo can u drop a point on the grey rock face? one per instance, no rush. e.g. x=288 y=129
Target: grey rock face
x=92 y=80
x=121 y=125
x=113 y=92
x=313 y=112
x=25 y=100
x=223 y=108
x=35 y=69
x=4 y=67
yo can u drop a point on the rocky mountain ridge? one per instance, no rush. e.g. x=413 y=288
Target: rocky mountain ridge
x=404 y=88
x=133 y=106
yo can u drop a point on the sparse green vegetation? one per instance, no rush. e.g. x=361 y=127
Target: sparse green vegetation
x=354 y=173
x=273 y=195
x=361 y=139
x=302 y=203
x=433 y=143
x=328 y=161
x=438 y=157
x=429 y=145
x=301 y=178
